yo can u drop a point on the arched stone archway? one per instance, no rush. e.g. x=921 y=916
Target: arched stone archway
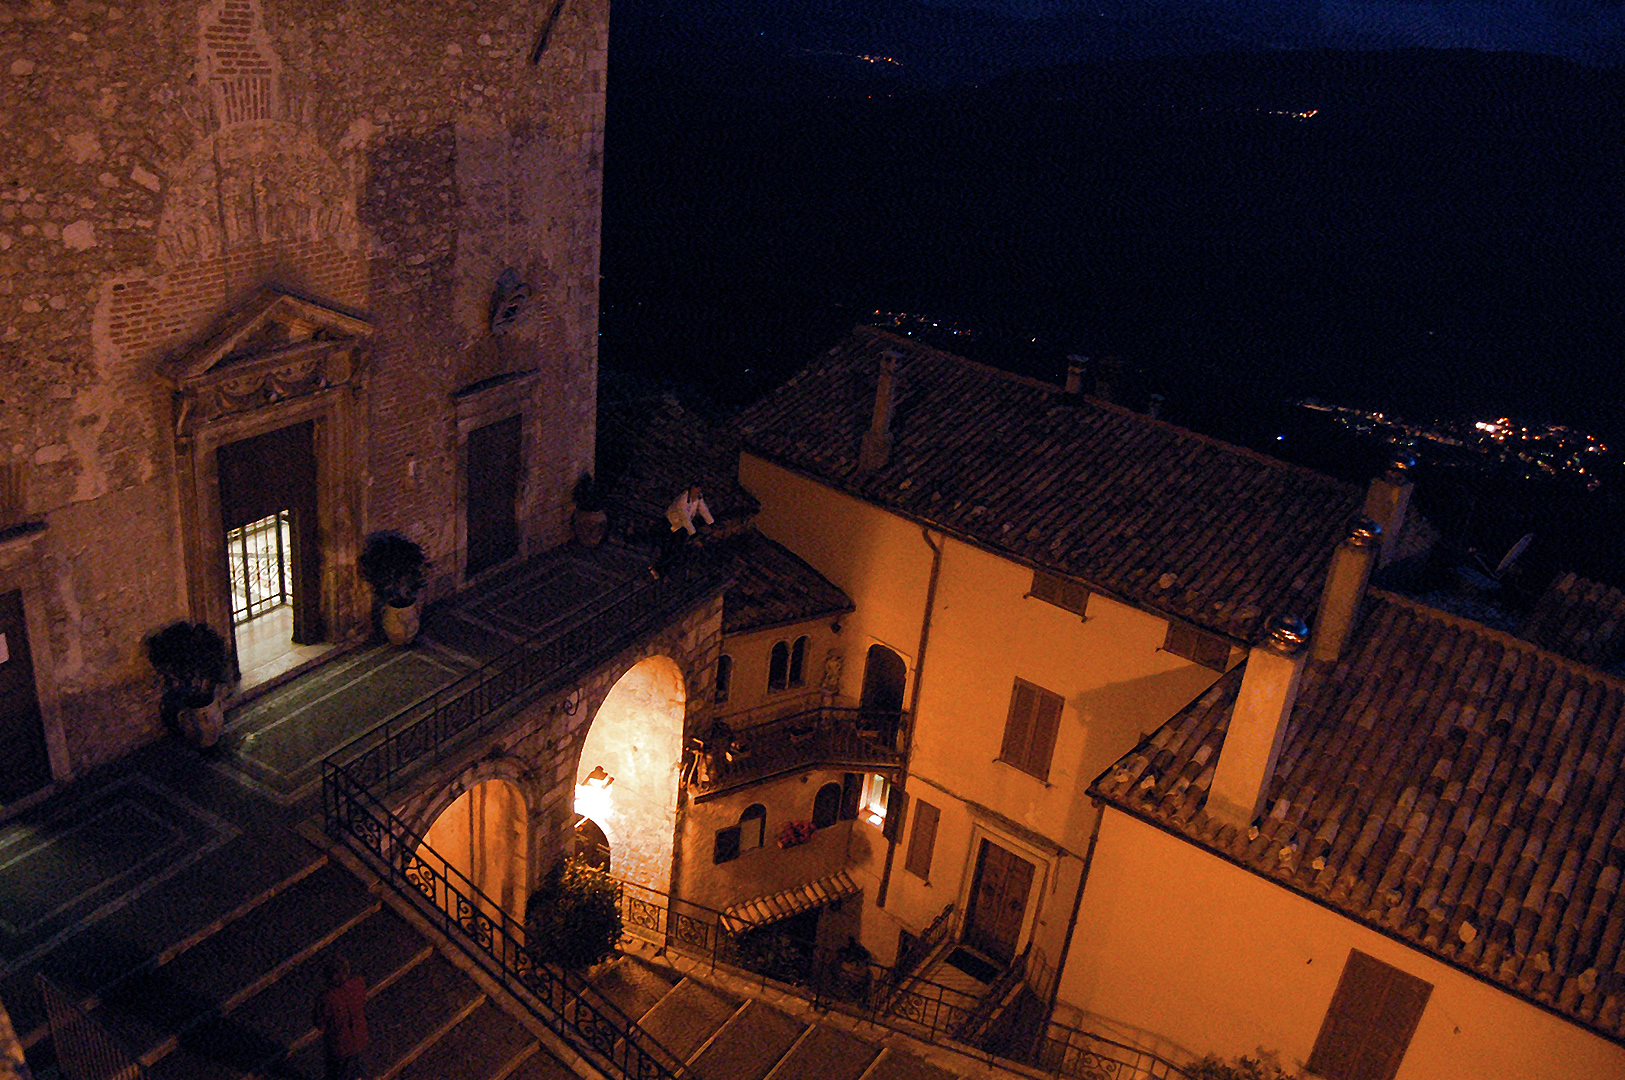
x=485 y=835
x=636 y=739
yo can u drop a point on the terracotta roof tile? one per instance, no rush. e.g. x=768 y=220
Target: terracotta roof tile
x=1584 y=620
x=773 y=587
x=1447 y=783
x=1133 y=507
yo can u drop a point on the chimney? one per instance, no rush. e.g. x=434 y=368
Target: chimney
x=1269 y=688
x=1074 y=374
x=875 y=449
x=1346 y=579
x=1386 y=502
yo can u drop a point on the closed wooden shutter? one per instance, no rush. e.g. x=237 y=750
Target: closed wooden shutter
x=922 y=841
x=1370 y=1021
x=1029 y=733
x=896 y=807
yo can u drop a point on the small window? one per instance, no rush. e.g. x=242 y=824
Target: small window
x=798 y=662
x=1209 y=650
x=1065 y=594
x=1370 y=1021
x=872 y=806
x=725 y=677
x=922 y=840
x=1029 y=733
x=727 y=845
x=778 y=667
x=752 y=827
x=827 y=806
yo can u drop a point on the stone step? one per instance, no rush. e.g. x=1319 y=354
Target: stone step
x=632 y=985
x=403 y=1018
x=749 y=1044
x=541 y=1066
x=147 y=1010
x=687 y=1016
x=896 y=1064
x=486 y=1045
x=826 y=1053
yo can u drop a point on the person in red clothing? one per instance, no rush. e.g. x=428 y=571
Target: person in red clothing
x=342 y=1015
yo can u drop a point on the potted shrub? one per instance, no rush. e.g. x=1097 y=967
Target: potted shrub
x=590 y=522
x=394 y=566
x=190 y=658
x=574 y=919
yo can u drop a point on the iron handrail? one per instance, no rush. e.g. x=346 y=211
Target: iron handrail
x=85 y=1049
x=567 y=1003
x=1067 y=1051
x=571 y=643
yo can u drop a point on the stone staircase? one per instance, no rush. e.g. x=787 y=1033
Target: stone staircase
x=235 y=1002
x=726 y=1037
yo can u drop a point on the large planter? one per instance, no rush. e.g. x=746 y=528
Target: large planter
x=590 y=527
x=400 y=624
x=201 y=725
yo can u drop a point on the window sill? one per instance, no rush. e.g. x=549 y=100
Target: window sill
x=1012 y=765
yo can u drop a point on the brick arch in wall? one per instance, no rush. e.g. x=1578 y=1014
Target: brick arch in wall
x=482 y=821
x=636 y=737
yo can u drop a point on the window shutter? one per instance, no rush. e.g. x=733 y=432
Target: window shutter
x=1045 y=723
x=922 y=841
x=1018 y=730
x=727 y=847
x=1370 y=1021
x=896 y=807
x=1065 y=594
x=851 y=795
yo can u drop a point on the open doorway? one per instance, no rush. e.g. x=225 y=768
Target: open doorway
x=268 y=508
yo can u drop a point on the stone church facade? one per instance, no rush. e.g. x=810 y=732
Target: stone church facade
x=331 y=260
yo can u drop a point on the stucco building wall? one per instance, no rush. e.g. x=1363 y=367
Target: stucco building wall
x=1176 y=943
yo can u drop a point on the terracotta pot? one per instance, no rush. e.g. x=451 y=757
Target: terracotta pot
x=590 y=527
x=400 y=624
x=203 y=724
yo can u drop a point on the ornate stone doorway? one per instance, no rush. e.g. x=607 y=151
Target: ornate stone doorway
x=270 y=418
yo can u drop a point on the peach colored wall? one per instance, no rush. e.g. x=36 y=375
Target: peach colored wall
x=752 y=653
x=881 y=561
x=1173 y=940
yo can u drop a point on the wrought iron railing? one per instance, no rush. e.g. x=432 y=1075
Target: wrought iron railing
x=85 y=1050
x=821 y=735
x=926 y=944
x=1066 y=1051
x=564 y=647
x=567 y=1003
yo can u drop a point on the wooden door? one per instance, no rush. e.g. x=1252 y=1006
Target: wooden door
x=998 y=902
x=25 y=766
x=493 y=494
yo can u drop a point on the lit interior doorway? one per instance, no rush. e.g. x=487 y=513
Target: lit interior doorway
x=484 y=835
x=268 y=502
x=626 y=780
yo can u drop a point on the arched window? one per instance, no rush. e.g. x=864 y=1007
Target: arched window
x=752 y=827
x=827 y=806
x=798 y=661
x=778 y=667
x=725 y=677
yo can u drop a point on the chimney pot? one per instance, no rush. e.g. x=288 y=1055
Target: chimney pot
x=1258 y=721
x=1074 y=374
x=1346 y=579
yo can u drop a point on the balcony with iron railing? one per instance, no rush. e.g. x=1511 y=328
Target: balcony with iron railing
x=732 y=755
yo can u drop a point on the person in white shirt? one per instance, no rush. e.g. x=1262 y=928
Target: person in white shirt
x=688 y=505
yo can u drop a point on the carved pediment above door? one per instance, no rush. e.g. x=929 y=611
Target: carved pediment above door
x=276 y=347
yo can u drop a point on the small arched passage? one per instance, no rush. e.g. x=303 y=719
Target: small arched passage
x=636 y=740
x=484 y=836
x=881 y=702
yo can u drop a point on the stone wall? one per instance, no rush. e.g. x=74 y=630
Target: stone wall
x=159 y=163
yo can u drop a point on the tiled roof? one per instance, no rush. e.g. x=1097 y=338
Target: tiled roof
x=1584 y=620
x=1449 y=784
x=1139 y=509
x=651 y=448
x=773 y=587
x=765 y=910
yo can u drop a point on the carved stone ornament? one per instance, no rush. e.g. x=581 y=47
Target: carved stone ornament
x=277 y=347
x=508 y=301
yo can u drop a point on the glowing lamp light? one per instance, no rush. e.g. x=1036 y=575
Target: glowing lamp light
x=592 y=795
